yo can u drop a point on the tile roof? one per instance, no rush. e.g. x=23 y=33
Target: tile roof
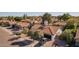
x=35 y=27
x=26 y=20
x=62 y=23
x=23 y=24
x=51 y=29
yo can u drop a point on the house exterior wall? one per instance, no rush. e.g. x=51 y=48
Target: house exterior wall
x=59 y=31
x=45 y=23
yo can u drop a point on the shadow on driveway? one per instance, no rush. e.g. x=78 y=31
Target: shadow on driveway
x=38 y=45
x=14 y=38
x=22 y=43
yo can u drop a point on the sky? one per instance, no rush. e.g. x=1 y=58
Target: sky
x=35 y=13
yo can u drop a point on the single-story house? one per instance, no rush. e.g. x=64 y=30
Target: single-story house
x=24 y=23
x=35 y=27
x=59 y=23
x=52 y=31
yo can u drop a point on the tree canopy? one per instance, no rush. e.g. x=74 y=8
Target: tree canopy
x=64 y=17
x=59 y=17
x=46 y=17
x=18 y=18
x=10 y=17
x=67 y=36
x=71 y=25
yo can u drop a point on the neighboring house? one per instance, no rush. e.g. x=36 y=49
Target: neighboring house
x=49 y=32
x=37 y=20
x=35 y=27
x=77 y=37
x=8 y=22
x=54 y=19
x=59 y=23
x=12 y=22
x=4 y=20
x=52 y=31
x=24 y=23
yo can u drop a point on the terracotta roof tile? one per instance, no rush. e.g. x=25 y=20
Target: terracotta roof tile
x=51 y=29
x=23 y=24
x=35 y=27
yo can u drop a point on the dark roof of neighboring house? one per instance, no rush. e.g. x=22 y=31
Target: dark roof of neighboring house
x=59 y=42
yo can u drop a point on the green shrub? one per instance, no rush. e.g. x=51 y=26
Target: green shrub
x=25 y=31
x=67 y=36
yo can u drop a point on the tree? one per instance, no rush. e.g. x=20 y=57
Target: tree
x=25 y=31
x=46 y=17
x=29 y=33
x=10 y=17
x=24 y=16
x=59 y=17
x=1 y=18
x=18 y=18
x=67 y=36
x=34 y=35
x=70 y=21
x=70 y=24
x=65 y=16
